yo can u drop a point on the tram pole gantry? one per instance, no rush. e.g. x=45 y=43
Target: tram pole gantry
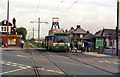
x=39 y=29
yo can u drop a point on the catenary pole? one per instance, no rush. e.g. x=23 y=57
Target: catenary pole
x=38 y=32
x=117 y=44
x=33 y=35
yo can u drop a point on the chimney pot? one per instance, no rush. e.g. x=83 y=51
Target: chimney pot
x=78 y=26
x=72 y=28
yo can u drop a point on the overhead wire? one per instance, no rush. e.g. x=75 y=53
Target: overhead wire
x=37 y=8
x=71 y=5
x=68 y=7
x=55 y=9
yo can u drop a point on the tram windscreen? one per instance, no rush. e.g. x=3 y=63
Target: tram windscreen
x=61 y=39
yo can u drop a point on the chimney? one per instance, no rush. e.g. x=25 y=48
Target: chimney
x=72 y=28
x=88 y=32
x=14 y=22
x=66 y=30
x=78 y=26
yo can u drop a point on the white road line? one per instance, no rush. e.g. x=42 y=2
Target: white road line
x=14 y=65
x=8 y=64
x=107 y=61
x=11 y=71
x=21 y=56
x=101 y=61
x=21 y=66
x=50 y=70
x=115 y=63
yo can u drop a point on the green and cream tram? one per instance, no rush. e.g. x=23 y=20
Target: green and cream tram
x=57 y=42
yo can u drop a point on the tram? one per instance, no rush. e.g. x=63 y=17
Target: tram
x=57 y=42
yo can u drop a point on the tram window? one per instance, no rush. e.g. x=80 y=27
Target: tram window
x=50 y=38
x=62 y=39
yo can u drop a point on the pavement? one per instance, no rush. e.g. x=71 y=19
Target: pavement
x=107 y=52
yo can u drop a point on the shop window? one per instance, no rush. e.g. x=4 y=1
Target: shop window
x=11 y=41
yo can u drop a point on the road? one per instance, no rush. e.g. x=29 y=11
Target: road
x=73 y=64
x=56 y=63
x=16 y=63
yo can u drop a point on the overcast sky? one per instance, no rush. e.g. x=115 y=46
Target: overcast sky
x=92 y=15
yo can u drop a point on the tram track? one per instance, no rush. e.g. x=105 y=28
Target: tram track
x=37 y=52
x=81 y=62
x=32 y=60
x=54 y=64
x=61 y=54
x=85 y=63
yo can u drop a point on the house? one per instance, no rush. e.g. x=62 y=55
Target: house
x=10 y=32
x=109 y=37
x=4 y=28
x=77 y=34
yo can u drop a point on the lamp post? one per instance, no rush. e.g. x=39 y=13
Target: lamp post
x=117 y=29
x=38 y=29
x=7 y=21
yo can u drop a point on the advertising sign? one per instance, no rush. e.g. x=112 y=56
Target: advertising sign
x=99 y=42
x=58 y=31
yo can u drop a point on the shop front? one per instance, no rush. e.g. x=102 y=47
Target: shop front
x=13 y=40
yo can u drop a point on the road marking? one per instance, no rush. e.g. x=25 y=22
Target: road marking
x=105 y=61
x=49 y=70
x=101 y=61
x=11 y=71
x=21 y=56
x=20 y=66
x=115 y=63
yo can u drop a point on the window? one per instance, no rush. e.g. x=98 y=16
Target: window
x=61 y=39
x=12 y=41
x=71 y=35
x=4 y=22
x=4 y=28
x=110 y=43
x=81 y=36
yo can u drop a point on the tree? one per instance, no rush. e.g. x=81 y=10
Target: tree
x=22 y=31
x=98 y=32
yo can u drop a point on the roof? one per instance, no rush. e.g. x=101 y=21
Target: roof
x=79 y=31
x=109 y=32
x=89 y=36
x=71 y=31
x=2 y=23
x=99 y=34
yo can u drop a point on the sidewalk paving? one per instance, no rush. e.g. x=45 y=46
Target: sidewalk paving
x=13 y=49
x=107 y=53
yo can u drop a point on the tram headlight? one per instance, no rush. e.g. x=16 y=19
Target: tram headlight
x=68 y=44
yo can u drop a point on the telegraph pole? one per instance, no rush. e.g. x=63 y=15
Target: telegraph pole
x=7 y=22
x=38 y=32
x=33 y=35
x=117 y=31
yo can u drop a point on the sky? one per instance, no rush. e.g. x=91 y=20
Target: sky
x=92 y=15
